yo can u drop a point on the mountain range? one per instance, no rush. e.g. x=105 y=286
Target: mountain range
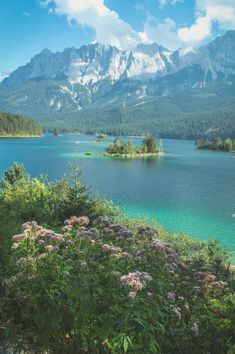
x=146 y=88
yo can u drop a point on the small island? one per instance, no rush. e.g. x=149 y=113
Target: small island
x=17 y=126
x=217 y=144
x=101 y=135
x=148 y=148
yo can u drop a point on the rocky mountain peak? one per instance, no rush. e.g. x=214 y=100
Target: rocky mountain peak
x=96 y=62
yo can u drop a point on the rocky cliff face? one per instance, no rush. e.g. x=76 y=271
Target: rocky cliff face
x=95 y=62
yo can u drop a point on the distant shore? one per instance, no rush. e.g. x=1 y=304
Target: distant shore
x=19 y=136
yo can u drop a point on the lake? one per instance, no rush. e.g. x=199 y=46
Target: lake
x=188 y=190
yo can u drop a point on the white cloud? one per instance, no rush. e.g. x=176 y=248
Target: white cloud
x=108 y=26
x=200 y=30
x=208 y=12
x=27 y=14
x=163 y=3
x=163 y=33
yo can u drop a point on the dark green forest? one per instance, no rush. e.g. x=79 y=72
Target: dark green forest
x=192 y=114
x=196 y=113
x=189 y=125
x=16 y=125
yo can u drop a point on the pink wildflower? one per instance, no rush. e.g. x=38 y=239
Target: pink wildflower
x=106 y=248
x=171 y=296
x=137 y=280
x=132 y=295
x=18 y=238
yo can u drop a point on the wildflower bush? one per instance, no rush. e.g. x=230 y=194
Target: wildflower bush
x=104 y=284
x=25 y=198
x=98 y=286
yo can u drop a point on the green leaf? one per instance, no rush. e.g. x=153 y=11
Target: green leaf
x=125 y=344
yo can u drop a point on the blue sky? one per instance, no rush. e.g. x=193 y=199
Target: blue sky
x=28 y=26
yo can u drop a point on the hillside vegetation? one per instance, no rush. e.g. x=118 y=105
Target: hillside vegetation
x=191 y=114
x=12 y=125
x=77 y=276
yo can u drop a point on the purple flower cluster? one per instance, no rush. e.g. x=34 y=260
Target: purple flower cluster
x=74 y=221
x=160 y=245
x=36 y=233
x=147 y=231
x=102 y=221
x=88 y=234
x=137 y=280
x=195 y=329
x=171 y=296
x=219 y=284
x=132 y=295
x=119 y=232
x=123 y=234
x=206 y=277
x=108 y=248
x=116 y=252
x=77 y=220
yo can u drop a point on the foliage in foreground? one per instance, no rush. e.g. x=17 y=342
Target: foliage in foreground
x=99 y=284
x=24 y=198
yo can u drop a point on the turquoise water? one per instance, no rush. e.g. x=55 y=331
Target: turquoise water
x=187 y=191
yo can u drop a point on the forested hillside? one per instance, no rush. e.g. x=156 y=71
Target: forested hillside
x=16 y=125
x=192 y=114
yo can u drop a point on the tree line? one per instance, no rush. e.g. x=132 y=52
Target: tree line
x=216 y=144
x=17 y=125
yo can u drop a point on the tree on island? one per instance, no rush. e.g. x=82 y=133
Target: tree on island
x=115 y=148
x=56 y=132
x=149 y=146
x=217 y=144
x=128 y=147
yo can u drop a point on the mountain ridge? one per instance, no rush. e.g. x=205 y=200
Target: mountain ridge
x=98 y=78
x=94 y=62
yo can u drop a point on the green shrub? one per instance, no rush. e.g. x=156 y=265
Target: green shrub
x=102 y=288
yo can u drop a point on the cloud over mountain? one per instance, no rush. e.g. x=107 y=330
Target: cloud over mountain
x=208 y=13
x=109 y=28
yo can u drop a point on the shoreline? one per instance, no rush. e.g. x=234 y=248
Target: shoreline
x=126 y=156
x=214 y=150
x=19 y=136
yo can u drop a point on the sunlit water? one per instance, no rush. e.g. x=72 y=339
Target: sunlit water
x=187 y=191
